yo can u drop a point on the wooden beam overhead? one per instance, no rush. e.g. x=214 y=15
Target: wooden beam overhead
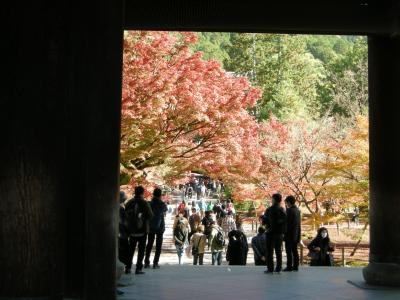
x=312 y=16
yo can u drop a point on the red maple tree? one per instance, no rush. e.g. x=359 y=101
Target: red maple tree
x=181 y=112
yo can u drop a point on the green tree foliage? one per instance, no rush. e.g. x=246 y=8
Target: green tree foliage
x=281 y=65
x=327 y=48
x=213 y=45
x=344 y=91
x=301 y=75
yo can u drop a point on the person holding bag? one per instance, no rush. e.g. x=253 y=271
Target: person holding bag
x=198 y=243
x=321 y=249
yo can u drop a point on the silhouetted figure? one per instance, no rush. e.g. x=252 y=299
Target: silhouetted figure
x=275 y=222
x=292 y=235
x=157 y=228
x=321 y=248
x=237 y=248
x=137 y=215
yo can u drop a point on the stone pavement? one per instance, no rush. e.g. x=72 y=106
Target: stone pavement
x=238 y=282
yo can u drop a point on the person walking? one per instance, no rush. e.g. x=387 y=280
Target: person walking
x=321 y=249
x=218 y=212
x=259 y=245
x=292 y=235
x=237 y=248
x=207 y=222
x=356 y=216
x=182 y=207
x=157 y=228
x=217 y=242
x=228 y=223
x=203 y=190
x=189 y=192
x=198 y=243
x=194 y=222
x=181 y=233
x=275 y=222
x=138 y=214
x=229 y=207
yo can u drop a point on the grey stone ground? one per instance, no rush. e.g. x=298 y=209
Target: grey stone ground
x=237 y=282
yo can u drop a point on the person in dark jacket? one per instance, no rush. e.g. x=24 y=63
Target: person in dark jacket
x=157 y=228
x=206 y=222
x=237 y=248
x=292 y=235
x=259 y=245
x=275 y=222
x=138 y=214
x=321 y=248
x=194 y=222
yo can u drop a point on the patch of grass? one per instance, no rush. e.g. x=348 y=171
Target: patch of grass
x=357 y=263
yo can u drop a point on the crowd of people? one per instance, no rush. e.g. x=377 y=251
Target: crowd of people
x=142 y=223
x=198 y=188
x=212 y=230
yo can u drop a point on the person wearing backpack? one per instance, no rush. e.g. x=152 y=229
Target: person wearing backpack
x=138 y=214
x=157 y=228
x=275 y=223
x=181 y=232
x=217 y=242
x=198 y=243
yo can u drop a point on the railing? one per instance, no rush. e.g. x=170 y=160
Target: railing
x=342 y=255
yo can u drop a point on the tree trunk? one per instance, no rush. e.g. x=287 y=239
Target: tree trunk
x=359 y=240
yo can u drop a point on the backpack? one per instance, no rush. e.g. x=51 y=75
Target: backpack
x=219 y=238
x=157 y=223
x=134 y=219
x=180 y=231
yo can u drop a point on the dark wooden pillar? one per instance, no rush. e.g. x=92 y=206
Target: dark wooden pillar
x=59 y=148
x=33 y=129
x=384 y=91
x=99 y=78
